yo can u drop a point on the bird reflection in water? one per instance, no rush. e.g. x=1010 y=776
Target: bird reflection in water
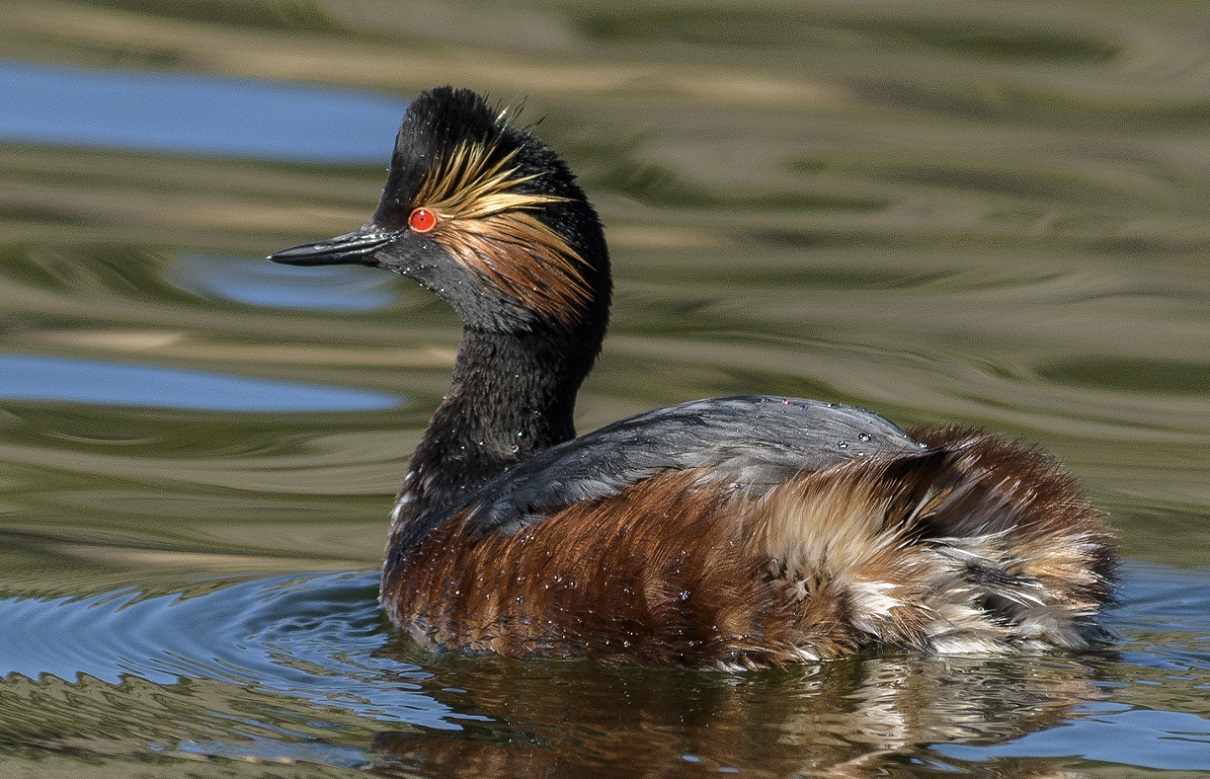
x=862 y=717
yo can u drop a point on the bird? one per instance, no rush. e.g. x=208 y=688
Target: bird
x=730 y=533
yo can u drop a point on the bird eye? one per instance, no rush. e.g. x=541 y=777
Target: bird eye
x=422 y=220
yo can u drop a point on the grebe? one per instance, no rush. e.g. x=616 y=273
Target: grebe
x=738 y=532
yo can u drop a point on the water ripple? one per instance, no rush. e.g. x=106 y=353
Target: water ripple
x=243 y=280
x=316 y=637
x=305 y=668
x=35 y=377
x=194 y=114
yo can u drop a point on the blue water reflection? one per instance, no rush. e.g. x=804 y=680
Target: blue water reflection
x=321 y=638
x=194 y=114
x=36 y=377
x=314 y=636
x=1172 y=740
x=255 y=282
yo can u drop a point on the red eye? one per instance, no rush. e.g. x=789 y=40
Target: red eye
x=422 y=220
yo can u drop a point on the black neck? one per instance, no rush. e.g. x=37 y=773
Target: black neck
x=512 y=395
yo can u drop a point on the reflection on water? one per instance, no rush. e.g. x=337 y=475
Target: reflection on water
x=80 y=381
x=186 y=114
x=332 y=287
x=994 y=214
x=302 y=668
x=806 y=27
x=852 y=719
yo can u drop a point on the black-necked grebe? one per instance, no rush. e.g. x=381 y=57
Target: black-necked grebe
x=734 y=532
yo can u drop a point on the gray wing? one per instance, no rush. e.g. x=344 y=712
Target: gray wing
x=752 y=442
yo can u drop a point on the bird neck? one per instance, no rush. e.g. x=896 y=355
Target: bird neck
x=512 y=395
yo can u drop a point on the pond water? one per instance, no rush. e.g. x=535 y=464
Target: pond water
x=992 y=213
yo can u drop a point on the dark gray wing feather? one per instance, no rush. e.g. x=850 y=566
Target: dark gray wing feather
x=751 y=442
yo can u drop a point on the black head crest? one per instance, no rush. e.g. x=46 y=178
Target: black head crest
x=437 y=122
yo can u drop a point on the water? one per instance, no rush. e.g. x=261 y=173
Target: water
x=993 y=214
x=197 y=115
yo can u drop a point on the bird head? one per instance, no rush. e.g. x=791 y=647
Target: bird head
x=485 y=216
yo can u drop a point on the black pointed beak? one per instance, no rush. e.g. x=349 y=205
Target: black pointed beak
x=357 y=247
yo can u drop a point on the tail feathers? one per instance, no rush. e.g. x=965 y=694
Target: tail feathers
x=976 y=545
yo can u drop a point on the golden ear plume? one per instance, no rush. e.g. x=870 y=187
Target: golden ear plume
x=487 y=225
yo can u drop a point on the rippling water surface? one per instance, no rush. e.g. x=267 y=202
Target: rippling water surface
x=988 y=213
